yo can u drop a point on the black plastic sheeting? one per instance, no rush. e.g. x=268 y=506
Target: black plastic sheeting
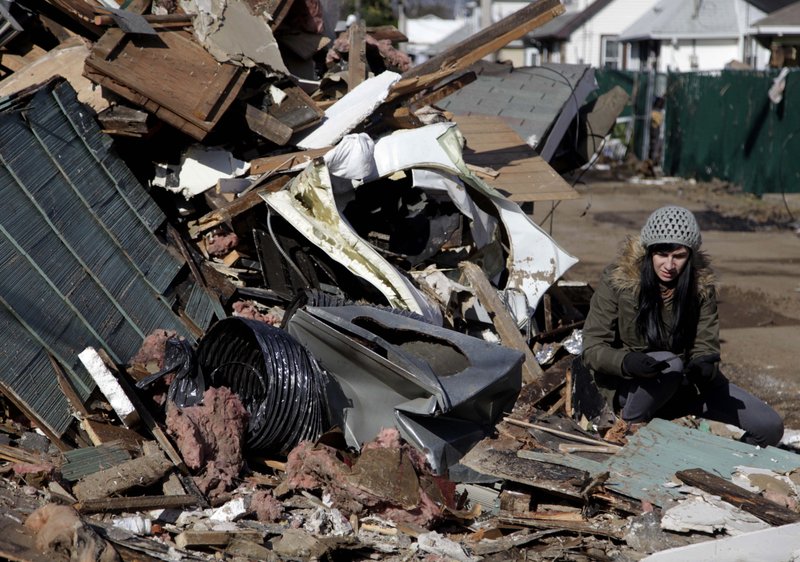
x=279 y=383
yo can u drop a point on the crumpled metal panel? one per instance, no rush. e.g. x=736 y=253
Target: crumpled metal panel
x=442 y=389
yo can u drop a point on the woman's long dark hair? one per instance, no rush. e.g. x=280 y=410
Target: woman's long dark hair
x=685 y=313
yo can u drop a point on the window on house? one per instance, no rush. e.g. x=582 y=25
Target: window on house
x=610 y=52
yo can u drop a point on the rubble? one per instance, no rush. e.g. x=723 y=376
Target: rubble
x=262 y=298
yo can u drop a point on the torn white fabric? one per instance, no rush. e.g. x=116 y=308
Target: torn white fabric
x=352 y=158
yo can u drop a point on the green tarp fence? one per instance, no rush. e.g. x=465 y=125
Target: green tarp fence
x=722 y=125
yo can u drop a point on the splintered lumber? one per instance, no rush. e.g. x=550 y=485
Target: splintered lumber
x=356 y=57
x=443 y=91
x=137 y=503
x=165 y=20
x=596 y=528
x=277 y=163
x=17 y=455
x=389 y=32
x=746 y=500
x=506 y=328
x=144 y=471
x=565 y=434
x=264 y=124
x=214 y=538
x=153 y=73
x=490 y=39
x=235 y=208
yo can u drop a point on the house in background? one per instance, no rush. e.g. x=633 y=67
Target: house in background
x=676 y=35
x=695 y=35
x=588 y=33
x=780 y=33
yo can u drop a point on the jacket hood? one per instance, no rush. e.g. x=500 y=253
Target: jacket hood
x=624 y=273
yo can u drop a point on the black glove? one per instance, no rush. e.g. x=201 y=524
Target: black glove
x=638 y=364
x=703 y=369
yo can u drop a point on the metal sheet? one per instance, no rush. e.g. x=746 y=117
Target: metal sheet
x=440 y=388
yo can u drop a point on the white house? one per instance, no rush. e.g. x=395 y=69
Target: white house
x=686 y=35
x=588 y=33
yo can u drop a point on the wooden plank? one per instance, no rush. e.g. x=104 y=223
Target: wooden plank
x=214 y=538
x=137 y=503
x=279 y=13
x=443 y=91
x=389 y=32
x=264 y=124
x=746 y=500
x=596 y=528
x=235 y=208
x=507 y=329
x=100 y=432
x=153 y=73
x=277 y=163
x=356 y=57
x=490 y=39
x=523 y=176
x=144 y=471
x=487 y=458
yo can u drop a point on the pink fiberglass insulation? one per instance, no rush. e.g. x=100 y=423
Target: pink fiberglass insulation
x=266 y=507
x=210 y=437
x=248 y=309
x=152 y=350
x=389 y=479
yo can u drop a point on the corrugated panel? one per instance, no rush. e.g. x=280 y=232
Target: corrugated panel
x=200 y=307
x=117 y=209
x=82 y=462
x=79 y=241
x=79 y=264
x=28 y=375
x=99 y=145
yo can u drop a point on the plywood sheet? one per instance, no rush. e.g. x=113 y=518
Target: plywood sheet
x=522 y=175
x=169 y=75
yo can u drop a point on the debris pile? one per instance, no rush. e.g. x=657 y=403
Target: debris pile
x=262 y=298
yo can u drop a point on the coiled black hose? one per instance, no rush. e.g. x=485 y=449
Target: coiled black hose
x=279 y=383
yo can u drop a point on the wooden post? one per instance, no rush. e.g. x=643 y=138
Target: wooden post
x=506 y=328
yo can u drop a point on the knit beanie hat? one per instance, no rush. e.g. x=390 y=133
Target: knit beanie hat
x=671 y=225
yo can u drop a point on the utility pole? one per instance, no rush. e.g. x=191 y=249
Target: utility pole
x=486 y=21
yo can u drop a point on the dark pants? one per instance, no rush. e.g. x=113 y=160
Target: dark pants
x=671 y=396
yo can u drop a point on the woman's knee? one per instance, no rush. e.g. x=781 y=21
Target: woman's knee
x=765 y=430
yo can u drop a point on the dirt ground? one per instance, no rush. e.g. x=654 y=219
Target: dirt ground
x=754 y=244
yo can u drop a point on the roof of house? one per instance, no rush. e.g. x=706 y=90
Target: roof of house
x=563 y=26
x=532 y=100
x=687 y=19
x=786 y=17
x=769 y=6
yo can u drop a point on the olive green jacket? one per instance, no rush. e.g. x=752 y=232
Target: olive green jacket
x=610 y=328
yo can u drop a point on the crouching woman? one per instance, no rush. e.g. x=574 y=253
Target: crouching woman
x=651 y=338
